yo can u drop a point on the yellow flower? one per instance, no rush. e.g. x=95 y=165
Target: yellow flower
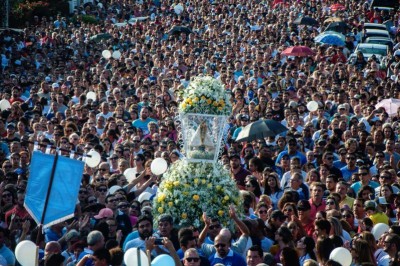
x=209 y=101
x=220 y=108
x=220 y=212
x=184 y=215
x=218 y=187
x=226 y=197
x=185 y=193
x=183 y=105
x=176 y=183
x=203 y=97
x=215 y=103
x=160 y=209
x=170 y=204
x=196 y=99
x=161 y=197
x=203 y=181
x=196 y=197
x=209 y=185
x=196 y=181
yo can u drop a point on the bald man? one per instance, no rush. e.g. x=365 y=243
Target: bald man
x=225 y=254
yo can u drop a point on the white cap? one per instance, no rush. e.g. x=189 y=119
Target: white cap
x=55 y=85
x=397 y=53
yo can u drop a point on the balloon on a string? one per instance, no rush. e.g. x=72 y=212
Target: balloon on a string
x=94 y=158
x=312 y=106
x=116 y=54
x=26 y=252
x=379 y=229
x=342 y=256
x=163 y=260
x=106 y=54
x=4 y=105
x=91 y=95
x=130 y=174
x=159 y=166
x=135 y=256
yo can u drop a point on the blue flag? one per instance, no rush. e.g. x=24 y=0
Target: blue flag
x=63 y=192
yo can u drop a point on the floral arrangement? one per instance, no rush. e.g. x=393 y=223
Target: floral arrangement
x=189 y=189
x=205 y=95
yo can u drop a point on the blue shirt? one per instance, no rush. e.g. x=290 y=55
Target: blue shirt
x=346 y=173
x=232 y=259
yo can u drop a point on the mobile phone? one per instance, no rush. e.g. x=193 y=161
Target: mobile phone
x=158 y=241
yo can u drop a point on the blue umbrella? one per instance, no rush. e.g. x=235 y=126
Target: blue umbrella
x=331 y=40
x=341 y=36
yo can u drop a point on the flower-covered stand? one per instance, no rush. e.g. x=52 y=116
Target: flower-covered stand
x=199 y=183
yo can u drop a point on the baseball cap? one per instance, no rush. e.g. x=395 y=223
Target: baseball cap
x=47 y=79
x=303 y=205
x=370 y=205
x=397 y=53
x=55 y=85
x=10 y=125
x=104 y=213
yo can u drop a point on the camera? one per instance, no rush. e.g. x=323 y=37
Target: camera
x=159 y=241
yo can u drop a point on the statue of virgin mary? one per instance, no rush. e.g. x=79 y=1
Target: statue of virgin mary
x=201 y=138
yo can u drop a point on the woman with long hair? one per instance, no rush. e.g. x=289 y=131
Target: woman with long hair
x=362 y=252
x=262 y=211
x=284 y=238
x=324 y=248
x=253 y=186
x=305 y=248
x=289 y=257
x=272 y=188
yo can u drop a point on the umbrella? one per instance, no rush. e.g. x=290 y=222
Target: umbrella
x=298 y=51
x=278 y=3
x=337 y=7
x=338 y=27
x=331 y=40
x=391 y=105
x=101 y=36
x=306 y=21
x=332 y=19
x=179 y=29
x=325 y=33
x=261 y=129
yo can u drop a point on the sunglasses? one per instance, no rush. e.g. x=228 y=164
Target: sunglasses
x=220 y=245
x=329 y=202
x=192 y=259
x=102 y=190
x=261 y=212
x=288 y=210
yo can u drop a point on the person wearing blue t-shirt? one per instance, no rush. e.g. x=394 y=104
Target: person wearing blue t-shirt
x=225 y=254
x=350 y=167
x=143 y=121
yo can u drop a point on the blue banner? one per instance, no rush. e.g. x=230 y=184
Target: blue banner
x=63 y=192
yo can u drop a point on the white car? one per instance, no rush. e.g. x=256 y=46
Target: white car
x=368 y=49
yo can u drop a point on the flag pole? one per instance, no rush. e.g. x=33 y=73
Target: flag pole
x=53 y=171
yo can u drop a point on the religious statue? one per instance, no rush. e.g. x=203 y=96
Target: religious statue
x=201 y=139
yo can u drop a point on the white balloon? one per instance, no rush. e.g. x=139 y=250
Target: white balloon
x=26 y=252
x=379 y=229
x=106 y=54
x=178 y=9
x=94 y=160
x=131 y=257
x=159 y=166
x=91 y=95
x=163 y=260
x=144 y=196
x=130 y=174
x=342 y=256
x=116 y=55
x=4 y=105
x=312 y=106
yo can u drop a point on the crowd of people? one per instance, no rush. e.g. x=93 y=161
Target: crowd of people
x=323 y=184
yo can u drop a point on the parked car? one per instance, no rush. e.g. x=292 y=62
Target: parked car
x=368 y=49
